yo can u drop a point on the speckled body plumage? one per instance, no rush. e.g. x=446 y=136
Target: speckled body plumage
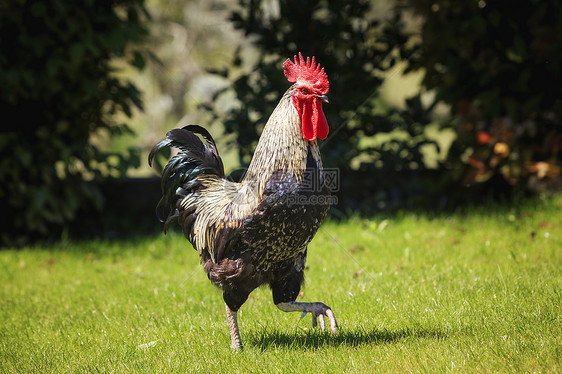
x=254 y=232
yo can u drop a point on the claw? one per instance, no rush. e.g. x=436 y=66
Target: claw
x=332 y=318
x=322 y=324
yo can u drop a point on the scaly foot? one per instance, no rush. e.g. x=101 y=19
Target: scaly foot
x=318 y=311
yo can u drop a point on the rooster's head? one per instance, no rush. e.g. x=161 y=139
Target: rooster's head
x=310 y=91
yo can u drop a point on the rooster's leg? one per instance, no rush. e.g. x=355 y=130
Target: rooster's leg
x=318 y=311
x=236 y=342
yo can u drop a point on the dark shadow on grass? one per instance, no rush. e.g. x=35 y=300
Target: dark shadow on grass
x=316 y=339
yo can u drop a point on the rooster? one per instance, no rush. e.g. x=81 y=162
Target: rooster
x=256 y=232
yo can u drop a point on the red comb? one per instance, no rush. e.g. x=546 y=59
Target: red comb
x=307 y=72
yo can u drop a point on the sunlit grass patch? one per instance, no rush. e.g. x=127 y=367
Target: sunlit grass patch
x=473 y=292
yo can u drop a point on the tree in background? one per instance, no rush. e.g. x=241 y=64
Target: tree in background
x=498 y=65
x=58 y=91
x=356 y=49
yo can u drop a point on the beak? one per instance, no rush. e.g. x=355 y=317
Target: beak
x=323 y=98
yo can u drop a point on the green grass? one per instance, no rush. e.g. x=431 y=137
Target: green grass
x=474 y=292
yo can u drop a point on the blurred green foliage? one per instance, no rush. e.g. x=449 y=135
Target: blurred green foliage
x=498 y=64
x=495 y=65
x=58 y=92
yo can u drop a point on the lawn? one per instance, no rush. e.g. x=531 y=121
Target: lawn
x=478 y=291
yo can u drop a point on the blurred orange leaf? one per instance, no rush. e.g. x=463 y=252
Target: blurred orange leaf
x=501 y=149
x=484 y=137
x=544 y=169
x=476 y=163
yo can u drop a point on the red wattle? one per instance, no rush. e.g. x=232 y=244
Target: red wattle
x=313 y=121
x=322 y=126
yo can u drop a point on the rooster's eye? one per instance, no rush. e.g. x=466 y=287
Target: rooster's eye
x=304 y=90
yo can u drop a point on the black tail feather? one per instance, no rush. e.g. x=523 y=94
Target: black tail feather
x=194 y=159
